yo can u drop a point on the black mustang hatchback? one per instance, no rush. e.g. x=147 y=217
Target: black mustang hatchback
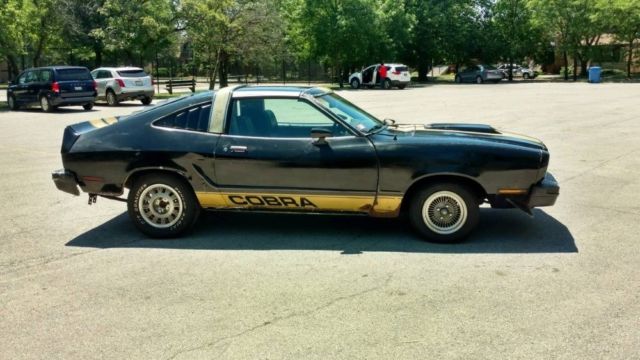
x=299 y=149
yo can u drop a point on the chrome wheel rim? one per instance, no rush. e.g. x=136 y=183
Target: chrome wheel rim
x=479 y=80
x=160 y=206
x=354 y=84
x=444 y=212
x=111 y=99
x=44 y=104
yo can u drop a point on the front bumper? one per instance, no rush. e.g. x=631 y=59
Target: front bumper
x=65 y=181
x=544 y=193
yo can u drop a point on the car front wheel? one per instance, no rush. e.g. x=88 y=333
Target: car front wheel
x=162 y=206
x=444 y=213
x=479 y=80
x=458 y=80
x=355 y=83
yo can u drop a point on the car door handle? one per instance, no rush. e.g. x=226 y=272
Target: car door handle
x=238 y=149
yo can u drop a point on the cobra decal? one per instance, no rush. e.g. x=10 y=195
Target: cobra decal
x=266 y=200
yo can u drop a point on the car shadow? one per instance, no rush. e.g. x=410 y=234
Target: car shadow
x=60 y=110
x=499 y=231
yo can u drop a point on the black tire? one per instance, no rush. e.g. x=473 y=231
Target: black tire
x=12 y=103
x=479 y=80
x=448 y=200
x=526 y=76
x=458 y=79
x=168 y=190
x=146 y=100
x=112 y=99
x=88 y=106
x=386 y=84
x=355 y=83
x=401 y=87
x=45 y=104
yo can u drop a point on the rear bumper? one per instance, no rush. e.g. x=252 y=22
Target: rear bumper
x=60 y=101
x=135 y=94
x=544 y=193
x=65 y=181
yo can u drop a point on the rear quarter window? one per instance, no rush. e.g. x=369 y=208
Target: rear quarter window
x=73 y=74
x=402 y=68
x=132 y=73
x=195 y=118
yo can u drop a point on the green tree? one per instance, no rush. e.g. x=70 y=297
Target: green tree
x=627 y=24
x=515 y=30
x=224 y=30
x=137 y=29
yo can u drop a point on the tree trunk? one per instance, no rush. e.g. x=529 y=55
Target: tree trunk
x=575 y=66
x=566 y=66
x=583 y=66
x=223 y=68
x=423 y=70
x=97 y=49
x=14 y=71
x=630 y=58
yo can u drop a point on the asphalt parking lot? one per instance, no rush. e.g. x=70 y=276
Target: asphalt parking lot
x=79 y=282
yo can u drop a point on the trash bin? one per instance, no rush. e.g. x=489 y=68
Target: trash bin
x=594 y=74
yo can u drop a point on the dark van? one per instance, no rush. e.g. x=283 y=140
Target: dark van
x=51 y=87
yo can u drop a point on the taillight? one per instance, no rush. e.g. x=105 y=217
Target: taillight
x=55 y=87
x=120 y=82
x=95 y=86
x=396 y=73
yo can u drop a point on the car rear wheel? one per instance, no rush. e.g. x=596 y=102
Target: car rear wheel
x=146 y=100
x=479 y=80
x=386 y=84
x=45 y=104
x=11 y=102
x=444 y=213
x=88 y=106
x=112 y=99
x=162 y=206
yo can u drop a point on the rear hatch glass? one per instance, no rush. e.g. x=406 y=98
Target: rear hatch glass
x=137 y=73
x=402 y=68
x=73 y=74
x=75 y=82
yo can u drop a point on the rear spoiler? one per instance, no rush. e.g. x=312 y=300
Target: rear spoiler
x=479 y=128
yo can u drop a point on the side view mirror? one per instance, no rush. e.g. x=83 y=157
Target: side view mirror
x=320 y=135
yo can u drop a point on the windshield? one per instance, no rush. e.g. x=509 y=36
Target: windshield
x=350 y=113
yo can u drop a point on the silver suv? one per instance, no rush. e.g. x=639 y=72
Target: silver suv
x=123 y=83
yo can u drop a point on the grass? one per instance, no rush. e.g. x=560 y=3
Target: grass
x=3 y=106
x=3 y=86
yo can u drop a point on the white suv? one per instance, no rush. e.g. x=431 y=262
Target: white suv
x=123 y=83
x=397 y=75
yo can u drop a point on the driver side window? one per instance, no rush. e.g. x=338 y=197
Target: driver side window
x=278 y=118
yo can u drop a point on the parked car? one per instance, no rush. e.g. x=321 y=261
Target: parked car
x=478 y=74
x=397 y=75
x=52 y=87
x=123 y=83
x=299 y=149
x=518 y=70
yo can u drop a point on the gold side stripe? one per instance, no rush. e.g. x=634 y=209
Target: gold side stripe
x=382 y=206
